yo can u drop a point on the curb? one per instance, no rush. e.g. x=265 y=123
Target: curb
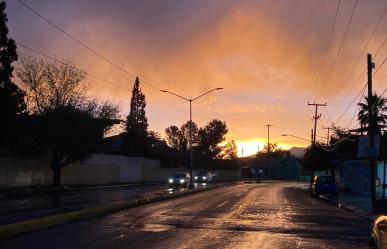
x=9 y=230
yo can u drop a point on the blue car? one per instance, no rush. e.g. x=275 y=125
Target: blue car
x=324 y=185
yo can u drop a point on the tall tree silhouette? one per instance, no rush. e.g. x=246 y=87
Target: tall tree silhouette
x=136 y=139
x=11 y=96
x=378 y=103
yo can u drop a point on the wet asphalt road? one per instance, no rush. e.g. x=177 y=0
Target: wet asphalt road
x=266 y=215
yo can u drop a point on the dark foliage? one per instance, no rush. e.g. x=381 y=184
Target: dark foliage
x=210 y=136
x=378 y=103
x=178 y=138
x=11 y=96
x=136 y=138
x=274 y=152
x=316 y=158
x=229 y=151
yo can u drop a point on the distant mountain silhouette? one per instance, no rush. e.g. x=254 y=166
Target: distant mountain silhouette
x=297 y=151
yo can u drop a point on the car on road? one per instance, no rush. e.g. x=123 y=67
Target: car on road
x=204 y=176
x=324 y=184
x=379 y=233
x=179 y=179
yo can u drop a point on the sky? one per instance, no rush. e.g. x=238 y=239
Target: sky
x=266 y=54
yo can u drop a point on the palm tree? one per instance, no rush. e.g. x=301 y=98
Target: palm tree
x=378 y=103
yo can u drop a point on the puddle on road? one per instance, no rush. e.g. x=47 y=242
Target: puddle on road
x=156 y=227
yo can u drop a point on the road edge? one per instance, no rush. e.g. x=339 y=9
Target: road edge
x=10 y=230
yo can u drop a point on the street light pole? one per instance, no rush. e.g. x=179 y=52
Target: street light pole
x=190 y=145
x=190 y=126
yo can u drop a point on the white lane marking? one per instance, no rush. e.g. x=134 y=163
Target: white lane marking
x=238 y=195
x=222 y=204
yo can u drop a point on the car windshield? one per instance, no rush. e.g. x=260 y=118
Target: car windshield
x=179 y=175
x=325 y=179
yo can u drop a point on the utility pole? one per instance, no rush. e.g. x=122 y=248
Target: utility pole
x=268 y=136
x=371 y=128
x=327 y=128
x=311 y=137
x=314 y=131
x=268 y=148
x=316 y=117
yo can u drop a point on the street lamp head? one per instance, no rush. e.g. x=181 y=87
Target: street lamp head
x=219 y=88
x=164 y=91
x=284 y=135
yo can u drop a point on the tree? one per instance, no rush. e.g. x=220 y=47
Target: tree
x=211 y=136
x=135 y=141
x=229 y=151
x=72 y=134
x=317 y=158
x=51 y=84
x=179 y=138
x=11 y=96
x=156 y=142
x=175 y=138
x=378 y=103
x=185 y=130
x=275 y=151
x=72 y=123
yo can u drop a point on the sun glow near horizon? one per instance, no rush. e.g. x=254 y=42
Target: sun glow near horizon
x=251 y=147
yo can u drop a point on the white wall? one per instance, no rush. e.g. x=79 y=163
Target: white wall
x=99 y=169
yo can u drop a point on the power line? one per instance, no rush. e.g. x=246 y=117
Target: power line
x=363 y=89
x=63 y=63
x=354 y=114
x=362 y=52
x=340 y=48
x=364 y=70
x=353 y=100
x=326 y=49
x=83 y=44
x=349 y=135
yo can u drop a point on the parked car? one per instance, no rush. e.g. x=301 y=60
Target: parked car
x=204 y=176
x=324 y=185
x=179 y=179
x=379 y=233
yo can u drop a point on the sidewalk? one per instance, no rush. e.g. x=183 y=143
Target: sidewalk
x=359 y=204
x=27 y=207
x=22 y=208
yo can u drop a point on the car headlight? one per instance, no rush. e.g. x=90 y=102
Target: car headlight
x=204 y=177
x=182 y=181
x=170 y=180
x=196 y=177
